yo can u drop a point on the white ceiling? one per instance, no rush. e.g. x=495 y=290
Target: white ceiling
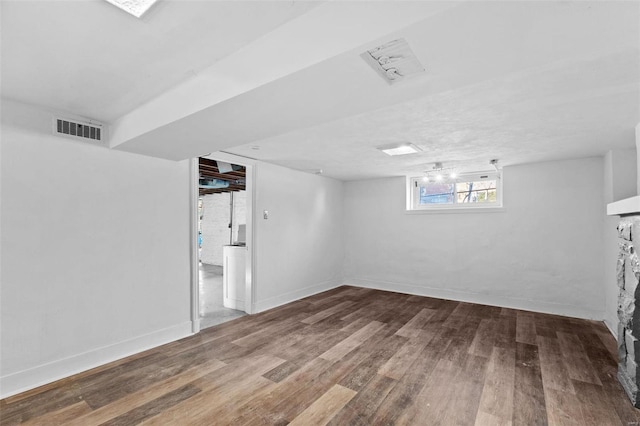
x=518 y=81
x=90 y=58
x=550 y=81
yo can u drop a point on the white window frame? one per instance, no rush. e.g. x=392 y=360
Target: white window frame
x=413 y=194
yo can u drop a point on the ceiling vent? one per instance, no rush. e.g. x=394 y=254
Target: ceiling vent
x=394 y=61
x=86 y=131
x=136 y=8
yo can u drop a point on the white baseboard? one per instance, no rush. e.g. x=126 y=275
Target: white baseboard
x=283 y=299
x=613 y=328
x=25 y=380
x=236 y=304
x=484 y=299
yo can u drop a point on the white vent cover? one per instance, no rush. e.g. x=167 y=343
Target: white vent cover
x=394 y=61
x=85 y=131
x=136 y=8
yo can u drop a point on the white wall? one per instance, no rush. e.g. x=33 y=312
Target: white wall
x=95 y=252
x=300 y=246
x=620 y=173
x=638 y=159
x=543 y=252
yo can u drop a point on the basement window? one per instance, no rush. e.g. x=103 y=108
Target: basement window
x=467 y=191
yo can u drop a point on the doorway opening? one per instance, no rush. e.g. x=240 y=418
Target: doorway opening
x=223 y=208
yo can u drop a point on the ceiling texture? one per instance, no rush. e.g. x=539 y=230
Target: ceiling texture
x=284 y=81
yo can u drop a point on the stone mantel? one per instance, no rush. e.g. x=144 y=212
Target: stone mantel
x=624 y=207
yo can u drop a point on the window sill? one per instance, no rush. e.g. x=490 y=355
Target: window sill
x=458 y=210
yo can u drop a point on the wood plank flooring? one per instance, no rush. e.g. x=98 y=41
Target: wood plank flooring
x=354 y=356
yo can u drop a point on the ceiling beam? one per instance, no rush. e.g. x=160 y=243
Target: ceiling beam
x=164 y=127
x=209 y=169
x=206 y=174
x=207 y=191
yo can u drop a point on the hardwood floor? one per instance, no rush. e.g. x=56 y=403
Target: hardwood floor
x=354 y=356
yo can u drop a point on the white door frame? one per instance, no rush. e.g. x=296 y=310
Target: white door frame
x=194 y=257
x=250 y=284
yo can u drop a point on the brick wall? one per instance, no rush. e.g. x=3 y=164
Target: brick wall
x=215 y=224
x=239 y=211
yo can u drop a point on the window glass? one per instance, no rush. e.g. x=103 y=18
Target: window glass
x=476 y=192
x=436 y=193
x=471 y=190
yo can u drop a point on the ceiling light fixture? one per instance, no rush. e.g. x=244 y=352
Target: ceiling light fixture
x=136 y=8
x=399 y=149
x=394 y=61
x=438 y=173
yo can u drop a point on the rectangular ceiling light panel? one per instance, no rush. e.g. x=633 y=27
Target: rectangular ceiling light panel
x=399 y=149
x=136 y=8
x=394 y=61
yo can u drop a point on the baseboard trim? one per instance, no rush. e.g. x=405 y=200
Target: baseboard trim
x=238 y=305
x=484 y=299
x=283 y=299
x=32 y=378
x=612 y=328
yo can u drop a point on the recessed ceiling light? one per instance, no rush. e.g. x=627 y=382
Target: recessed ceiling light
x=399 y=149
x=136 y=8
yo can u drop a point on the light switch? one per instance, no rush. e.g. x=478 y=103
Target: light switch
x=265 y=214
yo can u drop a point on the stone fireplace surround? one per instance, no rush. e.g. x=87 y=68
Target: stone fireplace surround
x=628 y=279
